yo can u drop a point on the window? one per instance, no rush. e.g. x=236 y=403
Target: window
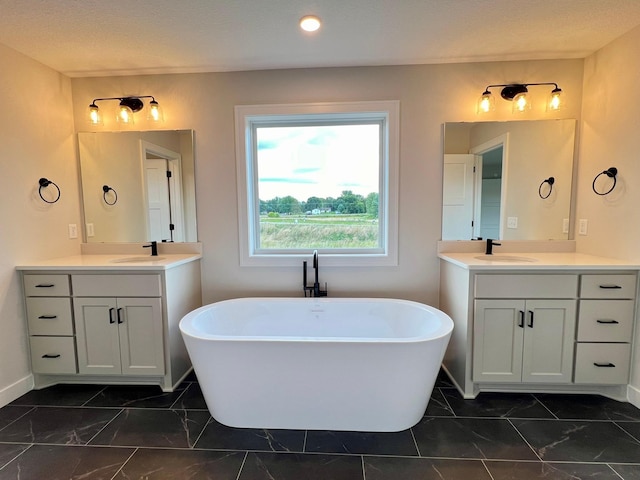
x=318 y=176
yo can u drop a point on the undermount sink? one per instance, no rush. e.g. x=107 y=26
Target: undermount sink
x=146 y=258
x=505 y=258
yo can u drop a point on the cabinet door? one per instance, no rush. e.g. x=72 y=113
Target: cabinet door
x=548 y=341
x=141 y=337
x=497 y=340
x=97 y=336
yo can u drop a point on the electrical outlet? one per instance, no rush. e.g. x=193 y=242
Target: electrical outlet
x=512 y=222
x=582 y=226
x=73 y=230
x=565 y=225
x=90 y=231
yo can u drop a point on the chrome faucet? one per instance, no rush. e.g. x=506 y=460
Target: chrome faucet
x=314 y=290
x=490 y=245
x=154 y=248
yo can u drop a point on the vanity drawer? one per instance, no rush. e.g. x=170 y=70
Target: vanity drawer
x=46 y=285
x=605 y=320
x=53 y=355
x=116 y=285
x=49 y=316
x=602 y=363
x=608 y=286
x=526 y=286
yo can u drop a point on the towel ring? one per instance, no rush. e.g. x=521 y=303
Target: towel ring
x=105 y=190
x=550 y=181
x=44 y=183
x=611 y=173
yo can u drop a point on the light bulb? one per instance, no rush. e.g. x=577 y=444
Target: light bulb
x=125 y=114
x=486 y=102
x=94 y=115
x=555 y=99
x=155 y=114
x=310 y=23
x=521 y=102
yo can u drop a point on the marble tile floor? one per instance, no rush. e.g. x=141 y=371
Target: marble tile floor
x=140 y=433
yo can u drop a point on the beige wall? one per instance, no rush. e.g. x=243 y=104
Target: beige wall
x=37 y=135
x=610 y=138
x=428 y=95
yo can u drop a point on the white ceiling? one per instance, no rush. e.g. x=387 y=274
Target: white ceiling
x=119 y=37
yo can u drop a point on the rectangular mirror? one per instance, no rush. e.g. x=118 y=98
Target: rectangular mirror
x=138 y=186
x=508 y=180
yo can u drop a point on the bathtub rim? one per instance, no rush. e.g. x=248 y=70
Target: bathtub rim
x=446 y=329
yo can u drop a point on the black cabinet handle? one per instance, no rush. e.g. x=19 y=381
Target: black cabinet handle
x=611 y=287
x=120 y=320
x=608 y=322
x=521 y=322
x=111 y=320
x=48 y=317
x=531 y=318
x=604 y=365
x=47 y=355
x=45 y=285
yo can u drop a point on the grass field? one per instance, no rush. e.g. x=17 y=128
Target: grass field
x=319 y=231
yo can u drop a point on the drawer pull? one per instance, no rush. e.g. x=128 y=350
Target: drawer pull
x=111 y=320
x=608 y=322
x=530 y=318
x=521 y=322
x=48 y=317
x=120 y=320
x=45 y=285
x=611 y=287
x=604 y=365
x=50 y=356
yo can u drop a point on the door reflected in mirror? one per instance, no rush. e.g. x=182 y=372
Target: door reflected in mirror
x=151 y=178
x=492 y=175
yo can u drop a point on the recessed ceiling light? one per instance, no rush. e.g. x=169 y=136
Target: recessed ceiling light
x=310 y=23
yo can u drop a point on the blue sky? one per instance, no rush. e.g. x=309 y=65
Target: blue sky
x=317 y=161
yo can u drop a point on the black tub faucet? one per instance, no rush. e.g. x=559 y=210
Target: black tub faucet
x=490 y=245
x=314 y=290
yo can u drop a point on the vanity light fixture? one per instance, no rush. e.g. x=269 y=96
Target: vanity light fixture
x=126 y=108
x=518 y=93
x=310 y=23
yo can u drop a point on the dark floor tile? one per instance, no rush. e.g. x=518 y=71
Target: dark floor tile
x=390 y=468
x=633 y=428
x=481 y=438
x=66 y=463
x=61 y=425
x=295 y=466
x=443 y=380
x=579 y=441
x=588 y=407
x=154 y=428
x=60 y=396
x=628 y=472
x=513 y=405
x=191 y=377
x=218 y=436
x=10 y=414
x=372 y=443
x=160 y=464
x=9 y=451
x=438 y=406
x=191 y=398
x=549 y=471
x=135 y=396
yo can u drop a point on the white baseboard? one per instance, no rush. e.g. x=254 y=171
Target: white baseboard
x=633 y=395
x=9 y=393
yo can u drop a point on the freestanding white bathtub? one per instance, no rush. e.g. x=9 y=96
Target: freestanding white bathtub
x=317 y=364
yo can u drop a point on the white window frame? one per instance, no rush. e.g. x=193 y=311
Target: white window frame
x=247 y=116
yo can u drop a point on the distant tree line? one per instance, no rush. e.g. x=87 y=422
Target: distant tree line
x=347 y=202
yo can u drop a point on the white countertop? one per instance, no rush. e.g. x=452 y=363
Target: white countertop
x=535 y=261
x=120 y=262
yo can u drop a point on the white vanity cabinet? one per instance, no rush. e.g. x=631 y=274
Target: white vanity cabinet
x=557 y=323
x=525 y=339
x=50 y=321
x=99 y=319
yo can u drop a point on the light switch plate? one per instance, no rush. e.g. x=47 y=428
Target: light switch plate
x=565 y=225
x=512 y=222
x=90 y=232
x=582 y=226
x=73 y=230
